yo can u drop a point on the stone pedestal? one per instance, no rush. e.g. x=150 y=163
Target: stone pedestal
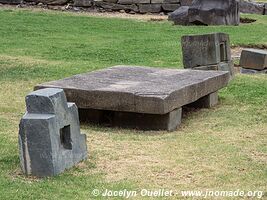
x=49 y=134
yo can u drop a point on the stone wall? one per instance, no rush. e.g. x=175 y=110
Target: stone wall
x=137 y=6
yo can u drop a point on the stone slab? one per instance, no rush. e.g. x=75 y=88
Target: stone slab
x=141 y=121
x=253 y=59
x=139 y=89
x=207 y=49
x=11 y=1
x=116 y=6
x=49 y=134
x=83 y=3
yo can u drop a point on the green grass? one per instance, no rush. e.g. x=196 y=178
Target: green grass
x=223 y=148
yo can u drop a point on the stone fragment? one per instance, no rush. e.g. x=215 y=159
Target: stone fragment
x=252 y=71
x=170 y=7
x=207 y=49
x=253 y=59
x=49 y=134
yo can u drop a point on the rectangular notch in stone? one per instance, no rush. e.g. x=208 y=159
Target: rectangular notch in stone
x=65 y=137
x=223 y=52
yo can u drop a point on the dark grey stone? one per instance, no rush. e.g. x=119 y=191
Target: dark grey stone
x=49 y=134
x=253 y=59
x=50 y=2
x=139 y=89
x=208 y=49
x=111 y=1
x=251 y=7
x=83 y=3
x=169 y=121
x=170 y=6
x=208 y=12
x=116 y=7
x=149 y=8
x=180 y=16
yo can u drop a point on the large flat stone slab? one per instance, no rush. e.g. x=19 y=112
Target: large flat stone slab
x=139 y=89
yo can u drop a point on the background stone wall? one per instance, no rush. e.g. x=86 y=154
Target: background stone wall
x=136 y=6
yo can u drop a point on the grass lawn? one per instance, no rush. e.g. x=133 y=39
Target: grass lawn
x=223 y=148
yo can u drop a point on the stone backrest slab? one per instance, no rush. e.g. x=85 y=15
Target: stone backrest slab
x=139 y=89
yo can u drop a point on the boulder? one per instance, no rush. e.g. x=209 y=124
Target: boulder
x=251 y=7
x=208 y=12
x=180 y=16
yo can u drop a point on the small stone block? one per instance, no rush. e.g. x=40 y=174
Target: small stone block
x=49 y=134
x=253 y=59
x=149 y=8
x=252 y=71
x=208 y=49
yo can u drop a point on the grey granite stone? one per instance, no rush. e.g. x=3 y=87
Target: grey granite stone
x=49 y=134
x=116 y=6
x=253 y=59
x=208 y=12
x=208 y=49
x=186 y=2
x=139 y=89
x=172 y=1
x=169 y=121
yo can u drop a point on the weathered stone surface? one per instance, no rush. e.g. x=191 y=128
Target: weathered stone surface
x=209 y=12
x=265 y=9
x=133 y=1
x=208 y=49
x=116 y=7
x=253 y=59
x=10 y=1
x=251 y=7
x=139 y=89
x=149 y=8
x=170 y=6
x=169 y=121
x=49 y=134
x=186 y=2
x=180 y=16
x=83 y=3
